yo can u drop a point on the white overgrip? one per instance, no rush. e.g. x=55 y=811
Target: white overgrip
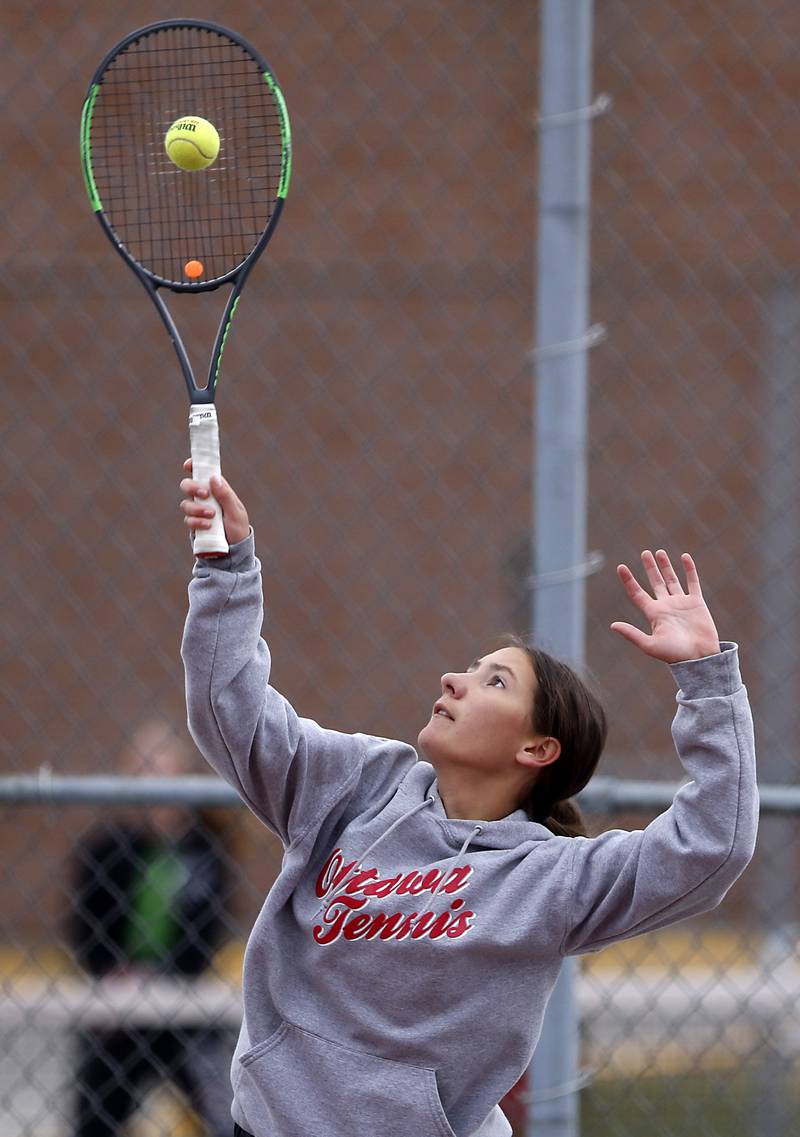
x=204 y=440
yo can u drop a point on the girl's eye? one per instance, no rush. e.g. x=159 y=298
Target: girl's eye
x=502 y=684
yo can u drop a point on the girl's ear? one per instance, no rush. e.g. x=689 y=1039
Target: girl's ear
x=543 y=752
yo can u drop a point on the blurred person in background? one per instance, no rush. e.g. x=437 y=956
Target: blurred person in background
x=148 y=903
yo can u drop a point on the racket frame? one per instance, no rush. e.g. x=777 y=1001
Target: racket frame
x=205 y=437
x=150 y=280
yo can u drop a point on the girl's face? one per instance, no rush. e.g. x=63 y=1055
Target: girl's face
x=483 y=719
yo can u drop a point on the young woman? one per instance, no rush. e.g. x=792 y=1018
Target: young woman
x=396 y=978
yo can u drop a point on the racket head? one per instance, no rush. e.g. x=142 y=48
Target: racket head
x=162 y=218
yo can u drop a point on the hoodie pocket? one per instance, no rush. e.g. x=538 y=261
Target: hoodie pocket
x=296 y=1083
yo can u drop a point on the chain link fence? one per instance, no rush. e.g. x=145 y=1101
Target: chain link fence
x=376 y=407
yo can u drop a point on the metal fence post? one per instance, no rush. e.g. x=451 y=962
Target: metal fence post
x=559 y=526
x=776 y=710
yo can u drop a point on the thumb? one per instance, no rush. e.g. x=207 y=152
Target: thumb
x=632 y=634
x=237 y=524
x=221 y=490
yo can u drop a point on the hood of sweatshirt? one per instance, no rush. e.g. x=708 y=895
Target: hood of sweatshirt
x=420 y=794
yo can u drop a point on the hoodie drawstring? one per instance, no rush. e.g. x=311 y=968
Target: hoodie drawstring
x=357 y=865
x=473 y=834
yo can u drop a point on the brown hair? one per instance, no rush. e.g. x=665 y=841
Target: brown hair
x=564 y=708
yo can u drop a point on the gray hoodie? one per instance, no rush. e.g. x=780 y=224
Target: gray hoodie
x=397 y=975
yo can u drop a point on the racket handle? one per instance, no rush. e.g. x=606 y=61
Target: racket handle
x=204 y=439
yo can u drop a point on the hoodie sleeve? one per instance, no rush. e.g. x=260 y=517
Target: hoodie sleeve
x=288 y=770
x=684 y=862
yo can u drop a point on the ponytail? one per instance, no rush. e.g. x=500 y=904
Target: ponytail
x=565 y=709
x=564 y=819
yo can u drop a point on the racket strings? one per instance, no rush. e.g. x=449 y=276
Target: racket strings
x=166 y=216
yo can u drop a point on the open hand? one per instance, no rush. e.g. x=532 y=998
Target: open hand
x=197 y=512
x=681 y=624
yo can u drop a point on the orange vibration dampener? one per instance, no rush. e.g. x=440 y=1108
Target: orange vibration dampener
x=193 y=269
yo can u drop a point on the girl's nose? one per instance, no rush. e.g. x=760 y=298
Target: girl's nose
x=453 y=684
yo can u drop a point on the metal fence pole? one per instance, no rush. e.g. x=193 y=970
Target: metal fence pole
x=604 y=795
x=559 y=527
x=776 y=710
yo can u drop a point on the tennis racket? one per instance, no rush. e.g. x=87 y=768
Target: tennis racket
x=188 y=230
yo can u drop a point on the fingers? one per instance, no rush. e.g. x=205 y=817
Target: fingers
x=659 y=569
x=195 y=506
x=197 y=514
x=662 y=577
x=199 y=501
x=692 y=576
x=634 y=590
x=668 y=574
x=195 y=521
x=190 y=487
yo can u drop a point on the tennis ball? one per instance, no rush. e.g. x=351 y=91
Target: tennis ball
x=192 y=143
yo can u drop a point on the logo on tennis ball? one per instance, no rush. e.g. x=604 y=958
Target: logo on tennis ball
x=192 y=143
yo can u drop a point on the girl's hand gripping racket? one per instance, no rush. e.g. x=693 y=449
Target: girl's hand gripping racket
x=186 y=155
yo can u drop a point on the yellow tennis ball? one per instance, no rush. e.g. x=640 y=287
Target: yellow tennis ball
x=192 y=143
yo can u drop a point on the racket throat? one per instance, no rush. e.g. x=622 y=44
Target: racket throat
x=221 y=340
